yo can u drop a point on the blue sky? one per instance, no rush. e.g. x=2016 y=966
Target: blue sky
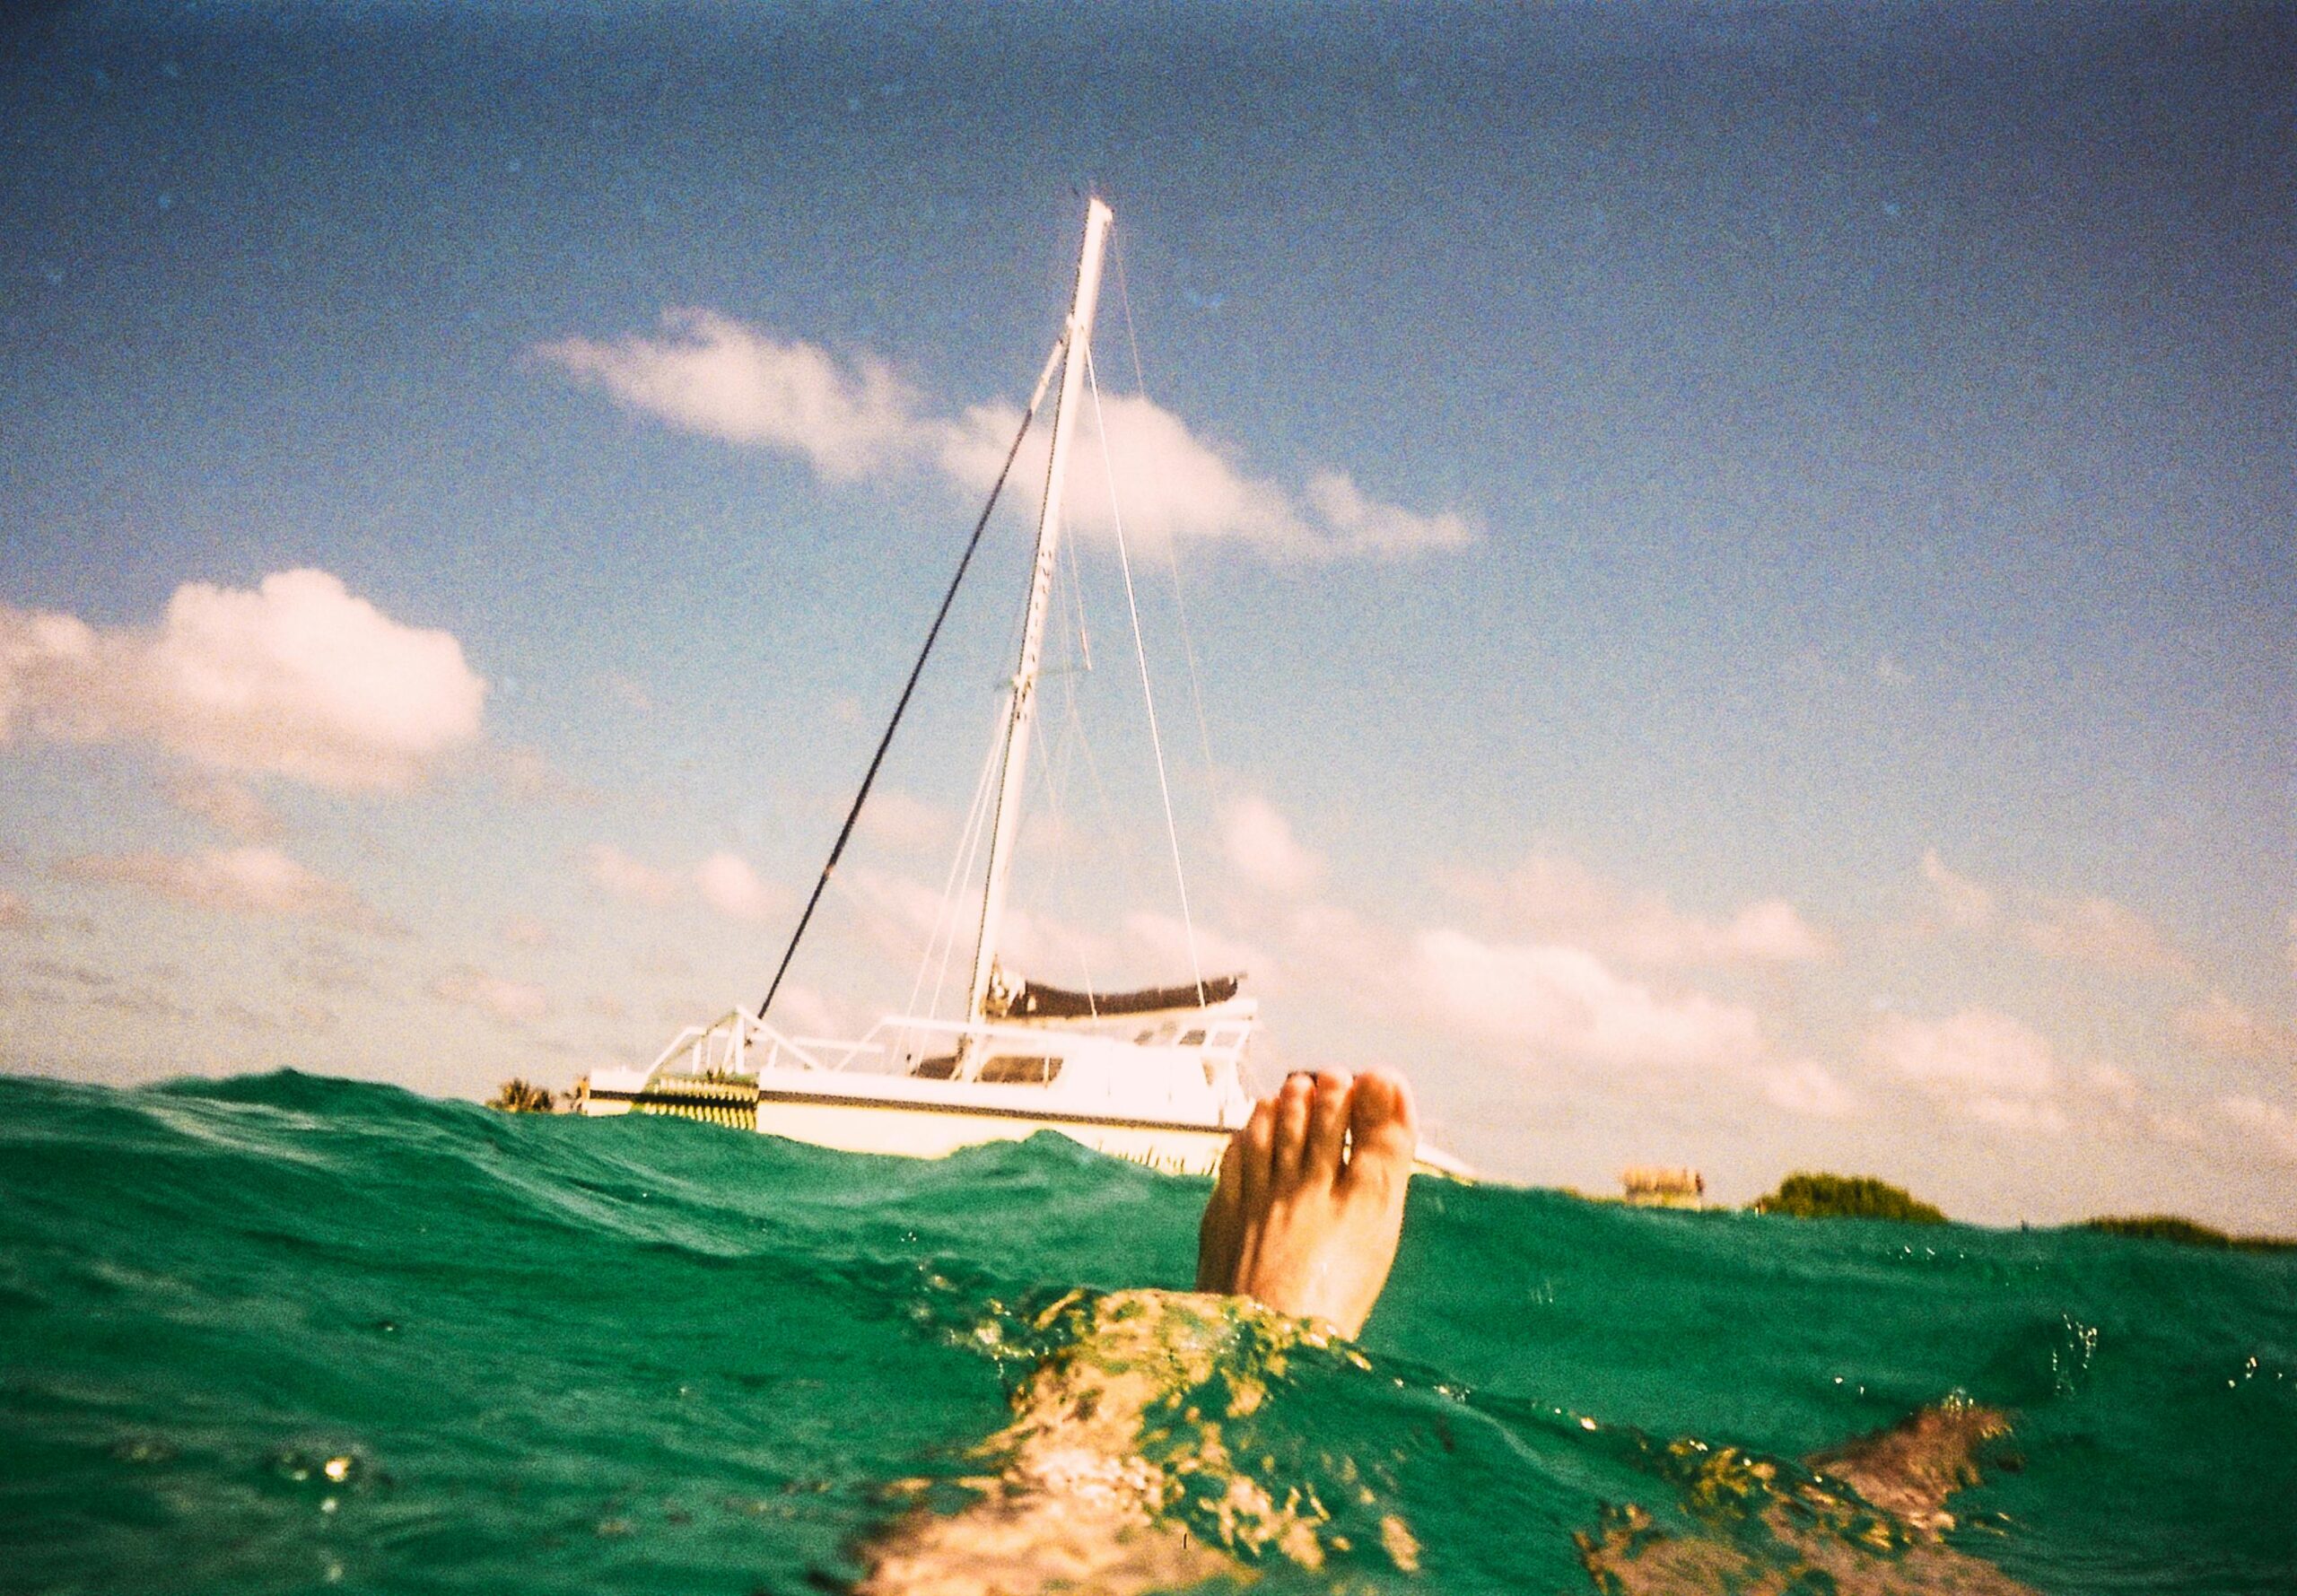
x=1737 y=560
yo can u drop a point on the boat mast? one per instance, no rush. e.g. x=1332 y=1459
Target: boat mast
x=1076 y=340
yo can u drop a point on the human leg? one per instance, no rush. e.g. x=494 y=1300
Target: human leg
x=1302 y=1220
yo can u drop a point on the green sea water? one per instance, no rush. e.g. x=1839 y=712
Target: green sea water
x=287 y=1333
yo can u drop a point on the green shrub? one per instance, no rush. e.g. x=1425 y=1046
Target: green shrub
x=2185 y=1233
x=523 y=1097
x=1845 y=1197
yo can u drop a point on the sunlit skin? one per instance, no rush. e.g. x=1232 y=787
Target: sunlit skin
x=1296 y=1245
x=1306 y=1212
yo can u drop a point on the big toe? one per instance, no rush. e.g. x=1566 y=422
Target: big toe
x=1382 y=1127
x=1219 y=1235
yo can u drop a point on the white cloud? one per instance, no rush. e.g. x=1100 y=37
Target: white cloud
x=1157 y=947
x=297 y=677
x=1175 y=487
x=1565 y=1001
x=725 y=881
x=2272 y=1128
x=1171 y=485
x=2223 y=1027
x=1345 y=951
x=627 y=878
x=224 y=804
x=728 y=885
x=1963 y=902
x=711 y=375
x=1804 y=1086
x=1261 y=847
x=2097 y=931
x=1978 y=1062
x=1351 y=524
x=1770 y=932
x=1978 y=1050
x=250 y=881
x=1558 y=899
x=514 y=1002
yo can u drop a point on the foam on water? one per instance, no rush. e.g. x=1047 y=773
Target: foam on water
x=286 y=1333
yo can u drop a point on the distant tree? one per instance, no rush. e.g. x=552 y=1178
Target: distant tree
x=2185 y=1233
x=522 y=1097
x=2162 y=1227
x=1845 y=1197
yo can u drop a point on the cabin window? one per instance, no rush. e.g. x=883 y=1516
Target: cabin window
x=1194 y=1039
x=937 y=1070
x=1020 y=1070
x=1226 y=1037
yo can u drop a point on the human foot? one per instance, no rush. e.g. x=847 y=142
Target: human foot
x=1309 y=1203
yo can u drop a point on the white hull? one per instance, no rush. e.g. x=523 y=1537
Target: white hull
x=931 y=1133
x=922 y=1129
x=929 y=1130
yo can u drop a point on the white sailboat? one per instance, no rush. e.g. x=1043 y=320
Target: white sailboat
x=1157 y=1077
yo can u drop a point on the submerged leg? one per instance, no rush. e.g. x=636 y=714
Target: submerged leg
x=1805 y=1534
x=1303 y=1219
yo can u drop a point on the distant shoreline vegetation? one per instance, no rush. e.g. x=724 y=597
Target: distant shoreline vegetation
x=519 y=1096
x=1809 y=1196
x=2185 y=1233
x=1804 y=1196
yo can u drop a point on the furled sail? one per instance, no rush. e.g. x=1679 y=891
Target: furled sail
x=1031 y=1001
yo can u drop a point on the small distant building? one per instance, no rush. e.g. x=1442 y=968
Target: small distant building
x=1649 y=1187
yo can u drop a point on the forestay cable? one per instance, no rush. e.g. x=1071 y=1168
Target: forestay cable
x=845 y=832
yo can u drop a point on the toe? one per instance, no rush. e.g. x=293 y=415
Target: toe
x=1293 y=1104
x=1383 y=1128
x=1217 y=1236
x=1327 y=1129
x=1250 y=1152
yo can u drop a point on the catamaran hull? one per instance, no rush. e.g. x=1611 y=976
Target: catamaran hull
x=937 y=1132
x=927 y=1131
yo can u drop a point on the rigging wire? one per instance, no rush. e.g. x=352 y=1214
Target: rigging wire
x=845 y=832
x=944 y=922
x=1053 y=776
x=1140 y=653
x=1171 y=544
